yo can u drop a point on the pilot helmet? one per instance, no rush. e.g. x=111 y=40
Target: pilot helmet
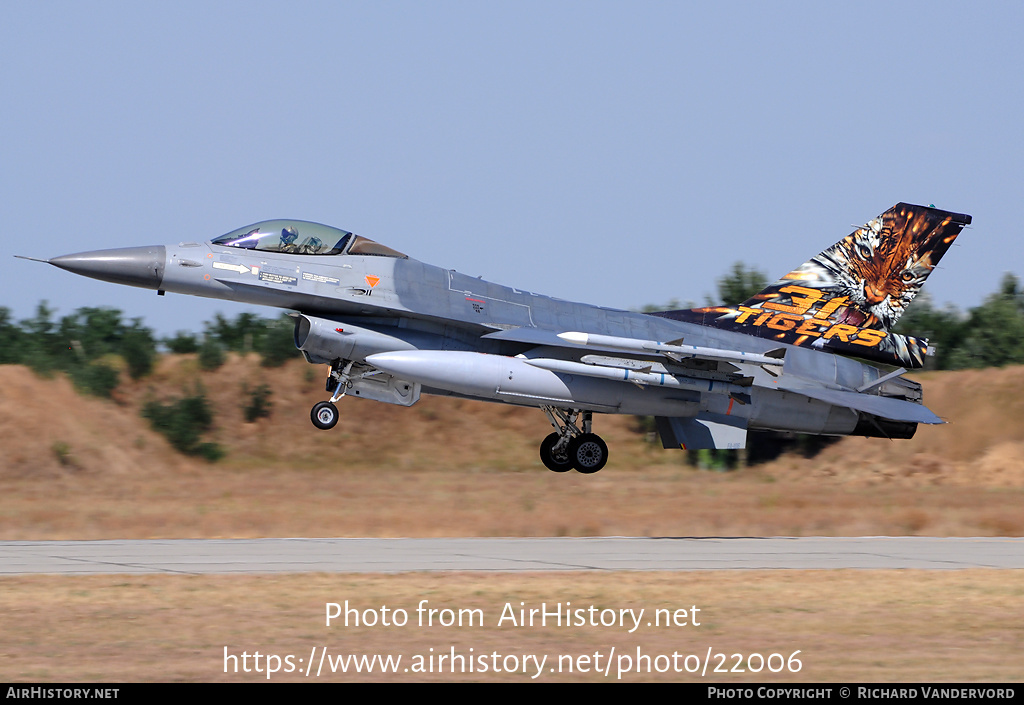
x=288 y=236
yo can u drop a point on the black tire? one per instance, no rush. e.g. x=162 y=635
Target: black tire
x=588 y=453
x=562 y=464
x=324 y=415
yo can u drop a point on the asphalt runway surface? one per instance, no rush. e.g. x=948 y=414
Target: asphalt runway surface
x=364 y=555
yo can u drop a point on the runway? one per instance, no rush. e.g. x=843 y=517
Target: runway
x=364 y=555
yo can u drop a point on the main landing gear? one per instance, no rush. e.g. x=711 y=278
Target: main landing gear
x=569 y=447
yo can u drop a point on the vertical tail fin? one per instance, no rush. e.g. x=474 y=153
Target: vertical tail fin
x=848 y=298
x=868 y=278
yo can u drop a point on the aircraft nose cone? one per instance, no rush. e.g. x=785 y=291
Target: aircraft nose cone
x=134 y=266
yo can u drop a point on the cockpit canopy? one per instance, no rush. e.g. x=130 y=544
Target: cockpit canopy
x=298 y=237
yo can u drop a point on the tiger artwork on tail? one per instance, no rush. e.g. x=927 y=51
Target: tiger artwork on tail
x=849 y=297
x=879 y=267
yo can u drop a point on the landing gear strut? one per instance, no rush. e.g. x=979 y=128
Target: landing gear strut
x=569 y=447
x=324 y=414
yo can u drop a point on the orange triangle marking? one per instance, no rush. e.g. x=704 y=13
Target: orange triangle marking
x=372 y=281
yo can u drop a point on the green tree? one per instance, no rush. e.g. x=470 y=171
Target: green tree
x=741 y=283
x=943 y=328
x=259 y=404
x=42 y=348
x=272 y=338
x=276 y=345
x=95 y=378
x=12 y=342
x=138 y=348
x=183 y=421
x=92 y=332
x=994 y=332
x=239 y=335
x=211 y=353
x=182 y=342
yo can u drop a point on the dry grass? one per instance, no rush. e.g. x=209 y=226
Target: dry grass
x=220 y=503
x=881 y=626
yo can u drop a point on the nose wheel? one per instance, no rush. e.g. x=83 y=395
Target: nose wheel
x=324 y=415
x=569 y=447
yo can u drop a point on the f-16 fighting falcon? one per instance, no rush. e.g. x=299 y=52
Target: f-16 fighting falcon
x=391 y=328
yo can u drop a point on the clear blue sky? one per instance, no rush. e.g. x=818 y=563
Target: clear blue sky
x=616 y=153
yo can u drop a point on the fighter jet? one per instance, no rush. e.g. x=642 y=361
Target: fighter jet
x=391 y=328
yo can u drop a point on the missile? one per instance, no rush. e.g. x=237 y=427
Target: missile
x=656 y=379
x=672 y=350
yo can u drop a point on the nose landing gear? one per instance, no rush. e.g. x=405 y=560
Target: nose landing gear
x=324 y=415
x=569 y=447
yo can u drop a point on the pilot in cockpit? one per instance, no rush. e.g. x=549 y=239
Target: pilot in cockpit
x=288 y=237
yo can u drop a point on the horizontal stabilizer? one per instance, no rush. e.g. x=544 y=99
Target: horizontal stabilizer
x=713 y=431
x=886 y=407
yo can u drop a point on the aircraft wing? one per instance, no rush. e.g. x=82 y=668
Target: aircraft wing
x=884 y=407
